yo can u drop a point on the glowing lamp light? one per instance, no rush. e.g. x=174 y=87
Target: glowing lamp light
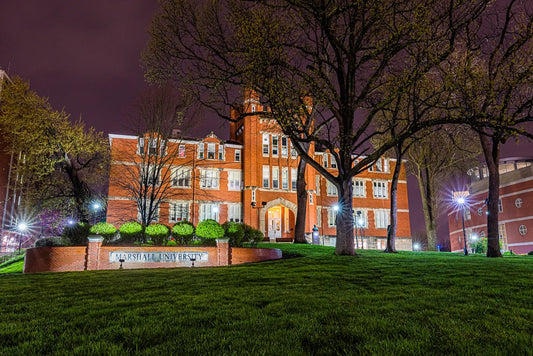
x=416 y=246
x=460 y=200
x=474 y=237
x=336 y=207
x=215 y=209
x=71 y=222
x=96 y=206
x=360 y=222
x=22 y=227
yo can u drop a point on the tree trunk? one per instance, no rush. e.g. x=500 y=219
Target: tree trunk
x=426 y=195
x=301 y=194
x=345 y=238
x=391 y=230
x=80 y=190
x=491 y=151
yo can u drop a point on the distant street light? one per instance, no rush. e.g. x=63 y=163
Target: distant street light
x=22 y=228
x=416 y=246
x=462 y=203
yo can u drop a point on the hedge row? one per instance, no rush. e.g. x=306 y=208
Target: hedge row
x=182 y=233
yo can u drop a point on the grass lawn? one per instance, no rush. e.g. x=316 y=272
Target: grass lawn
x=319 y=304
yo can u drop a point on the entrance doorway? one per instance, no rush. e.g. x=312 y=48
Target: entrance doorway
x=274 y=223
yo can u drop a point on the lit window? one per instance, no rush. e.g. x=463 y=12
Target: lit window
x=331 y=189
x=380 y=189
x=211 y=151
x=178 y=211
x=266 y=176
x=200 y=150
x=359 y=188
x=209 y=211
x=234 y=180
x=209 y=178
x=518 y=202
x=275 y=177
x=181 y=177
x=275 y=146
x=286 y=219
x=181 y=151
x=522 y=230
x=285 y=178
x=284 y=147
x=381 y=218
x=235 y=213
x=266 y=147
x=332 y=217
x=237 y=155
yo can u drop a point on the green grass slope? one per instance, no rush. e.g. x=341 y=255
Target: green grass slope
x=318 y=304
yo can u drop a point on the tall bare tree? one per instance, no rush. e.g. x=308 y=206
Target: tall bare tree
x=491 y=78
x=288 y=50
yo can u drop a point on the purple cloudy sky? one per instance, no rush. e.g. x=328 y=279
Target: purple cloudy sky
x=84 y=56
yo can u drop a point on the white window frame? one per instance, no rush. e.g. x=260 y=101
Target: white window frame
x=468 y=214
x=285 y=178
x=184 y=209
x=284 y=146
x=318 y=216
x=181 y=177
x=380 y=189
x=500 y=206
x=234 y=180
x=363 y=216
x=332 y=217
x=359 y=188
x=333 y=162
x=381 y=218
x=209 y=178
x=275 y=146
x=331 y=189
x=181 y=151
x=211 y=150
x=235 y=213
x=317 y=184
x=266 y=145
x=266 y=176
x=275 y=177
x=310 y=197
x=209 y=211
x=237 y=155
x=201 y=151
x=294 y=178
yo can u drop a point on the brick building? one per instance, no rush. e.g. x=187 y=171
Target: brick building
x=251 y=178
x=515 y=209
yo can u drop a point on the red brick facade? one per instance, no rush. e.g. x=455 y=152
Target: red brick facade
x=252 y=179
x=515 y=212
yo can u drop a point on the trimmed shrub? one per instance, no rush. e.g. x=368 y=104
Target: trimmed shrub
x=106 y=230
x=52 y=241
x=252 y=236
x=234 y=232
x=530 y=253
x=77 y=234
x=183 y=232
x=158 y=233
x=131 y=231
x=209 y=230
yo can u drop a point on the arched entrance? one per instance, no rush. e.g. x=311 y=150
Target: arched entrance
x=277 y=219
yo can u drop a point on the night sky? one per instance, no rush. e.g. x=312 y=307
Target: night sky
x=84 y=56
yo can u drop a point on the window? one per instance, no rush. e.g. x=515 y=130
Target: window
x=333 y=161
x=209 y=211
x=502 y=232
x=237 y=155
x=522 y=230
x=140 y=147
x=209 y=178
x=500 y=206
x=155 y=212
x=293 y=151
x=253 y=195
x=331 y=189
x=181 y=151
x=310 y=198
x=178 y=211
x=266 y=147
x=220 y=152
x=468 y=216
x=181 y=177
x=385 y=165
x=377 y=167
x=275 y=177
x=294 y=177
x=317 y=183
x=318 y=216
x=286 y=220
x=266 y=176
x=380 y=189
x=332 y=217
x=211 y=151
x=381 y=218
x=359 y=188
x=253 y=108
x=285 y=178
x=518 y=202
x=360 y=219
x=152 y=149
x=284 y=149
x=325 y=160
x=235 y=213
x=275 y=146
x=201 y=151
x=480 y=211
x=234 y=180
x=150 y=175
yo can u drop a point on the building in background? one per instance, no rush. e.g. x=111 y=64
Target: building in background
x=251 y=178
x=515 y=208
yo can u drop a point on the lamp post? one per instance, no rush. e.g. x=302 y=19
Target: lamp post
x=361 y=223
x=96 y=207
x=461 y=201
x=21 y=227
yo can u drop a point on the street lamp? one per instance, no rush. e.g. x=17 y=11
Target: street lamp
x=416 y=246
x=96 y=207
x=462 y=202
x=22 y=227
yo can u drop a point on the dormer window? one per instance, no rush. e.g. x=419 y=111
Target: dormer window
x=211 y=149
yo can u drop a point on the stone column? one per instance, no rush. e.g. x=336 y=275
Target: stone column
x=93 y=252
x=223 y=252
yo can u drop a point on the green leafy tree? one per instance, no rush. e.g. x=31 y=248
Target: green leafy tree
x=336 y=52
